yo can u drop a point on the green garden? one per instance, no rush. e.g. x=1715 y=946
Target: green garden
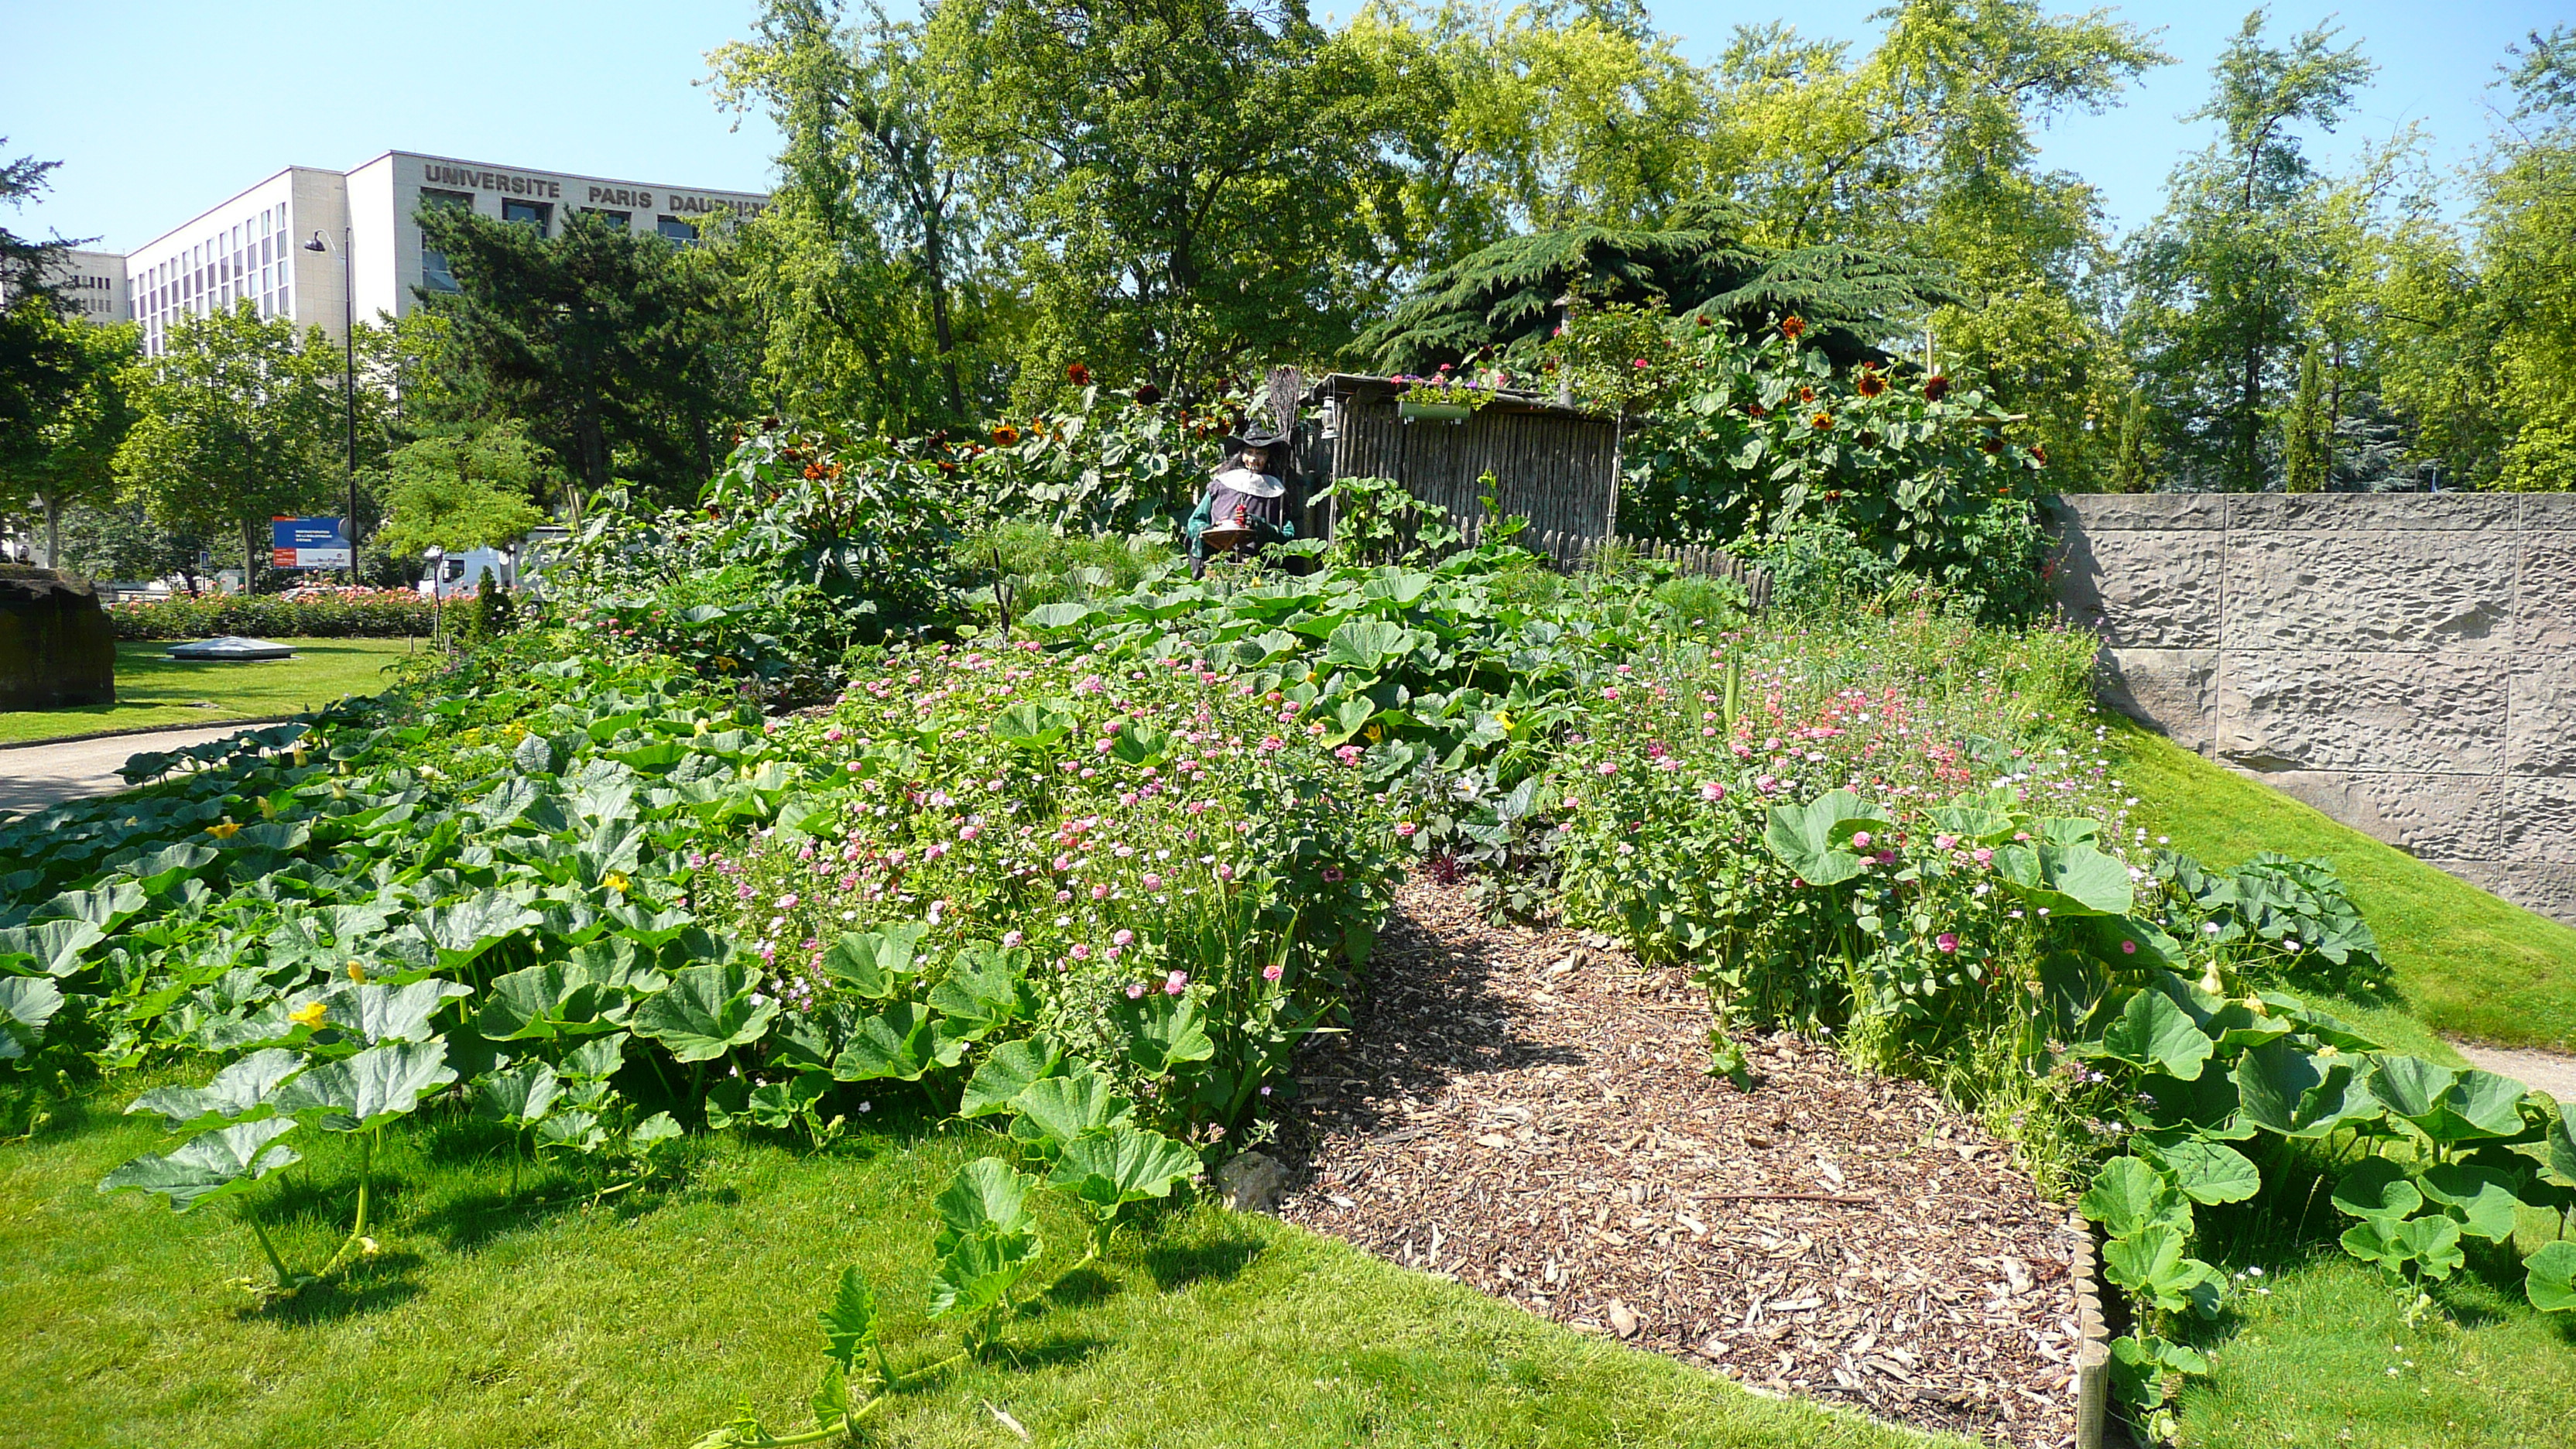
x=834 y=960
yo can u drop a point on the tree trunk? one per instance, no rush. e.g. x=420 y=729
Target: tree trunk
x=53 y=532
x=2253 y=429
x=250 y=557
x=934 y=256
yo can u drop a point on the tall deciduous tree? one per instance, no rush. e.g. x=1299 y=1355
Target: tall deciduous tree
x=2224 y=279
x=462 y=488
x=39 y=368
x=1194 y=200
x=237 y=422
x=68 y=458
x=868 y=255
x=615 y=348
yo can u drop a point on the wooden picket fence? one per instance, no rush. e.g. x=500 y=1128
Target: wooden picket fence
x=1571 y=551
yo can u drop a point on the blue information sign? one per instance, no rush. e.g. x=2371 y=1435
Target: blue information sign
x=309 y=543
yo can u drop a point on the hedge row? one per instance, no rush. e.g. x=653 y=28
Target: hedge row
x=340 y=614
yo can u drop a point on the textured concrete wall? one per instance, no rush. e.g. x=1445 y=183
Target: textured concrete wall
x=2405 y=663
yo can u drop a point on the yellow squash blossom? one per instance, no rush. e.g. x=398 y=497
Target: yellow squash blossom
x=223 y=829
x=310 y=1014
x=357 y=973
x=616 y=881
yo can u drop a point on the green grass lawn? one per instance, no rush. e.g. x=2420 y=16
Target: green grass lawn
x=156 y=691
x=2467 y=963
x=645 y=1322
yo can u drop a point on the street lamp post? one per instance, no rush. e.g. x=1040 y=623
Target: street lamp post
x=348 y=379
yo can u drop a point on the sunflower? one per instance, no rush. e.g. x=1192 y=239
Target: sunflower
x=1821 y=420
x=1755 y=410
x=1936 y=387
x=1078 y=375
x=1872 y=382
x=2039 y=455
x=1792 y=326
x=1005 y=436
x=1806 y=394
x=1991 y=444
x=1147 y=394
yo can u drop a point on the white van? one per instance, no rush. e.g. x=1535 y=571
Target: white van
x=460 y=575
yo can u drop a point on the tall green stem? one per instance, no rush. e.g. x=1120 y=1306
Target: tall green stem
x=275 y=1263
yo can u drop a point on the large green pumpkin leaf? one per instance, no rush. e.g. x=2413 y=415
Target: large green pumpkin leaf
x=2066 y=880
x=2154 y=1033
x=368 y=1090
x=2481 y=1198
x=1814 y=839
x=986 y=989
x=519 y=1097
x=105 y=907
x=2292 y=1092
x=705 y=1012
x=51 y=949
x=987 y=1196
x=978 y=1272
x=2550 y=1277
x=2411 y=1086
x=868 y=962
x=237 y=1093
x=210 y=1165
x=466 y=930
x=1121 y=1166
x=1162 y=1032
x=1365 y=644
x=543 y=1003
x=374 y=1012
x=2129 y=1194
x=1008 y=1071
x=2151 y=1264
x=26 y=1004
x=2208 y=1172
x=1063 y=1109
x=2377 y=1188
x=901 y=1044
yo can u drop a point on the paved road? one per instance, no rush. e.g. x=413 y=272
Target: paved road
x=2551 y=1072
x=35 y=776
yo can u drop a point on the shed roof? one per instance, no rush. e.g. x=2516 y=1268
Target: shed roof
x=1507 y=399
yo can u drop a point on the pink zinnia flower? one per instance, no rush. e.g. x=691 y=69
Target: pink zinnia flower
x=1081 y=952
x=1153 y=882
x=1176 y=983
x=1711 y=791
x=1012 y=938
x=1135 y=990
x=1271 y=972
x=1947 y=941
x=1609 y=767
x=1406 y=829
x=1122 y=938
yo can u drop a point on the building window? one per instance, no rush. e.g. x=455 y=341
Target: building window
x=533 y=213
x=674 y=229
x=434 y=273
x=621 y=220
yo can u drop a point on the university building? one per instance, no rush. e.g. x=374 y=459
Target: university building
x=254 y=245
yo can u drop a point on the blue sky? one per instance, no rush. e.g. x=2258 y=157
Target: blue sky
x=159 y=109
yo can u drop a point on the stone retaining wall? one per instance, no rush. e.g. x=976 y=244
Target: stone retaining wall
x=2405 y=663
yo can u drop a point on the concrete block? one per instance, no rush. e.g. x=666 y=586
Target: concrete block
x=2426 y=815
x=2368 y=591
x=2545 y=607
x=2371 y=512
x=2533 y=885
x=2142 y=589
x=2548 y=510
x=2340 y=710
x=2540 y=819
x=2541 y=736
x=2169 y=690
x=2094 y=512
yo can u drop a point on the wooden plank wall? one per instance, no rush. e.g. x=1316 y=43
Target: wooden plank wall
x=1558 y=471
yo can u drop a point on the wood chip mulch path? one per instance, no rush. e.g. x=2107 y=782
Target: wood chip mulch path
x=1529 y=1114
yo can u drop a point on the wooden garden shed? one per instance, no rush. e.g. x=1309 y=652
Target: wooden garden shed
x=1558 y=466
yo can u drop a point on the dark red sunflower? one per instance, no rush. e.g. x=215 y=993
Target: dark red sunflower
x=1936 y=387
x=1793 y=327
x=1005 y=436
x=1872 y=382
x=1821 y=421
x=1078 y=375
x=1148 y=394
x=2039 y=455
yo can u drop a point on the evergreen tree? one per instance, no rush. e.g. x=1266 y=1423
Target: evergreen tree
x=2303 y=455
x=1512 y=292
